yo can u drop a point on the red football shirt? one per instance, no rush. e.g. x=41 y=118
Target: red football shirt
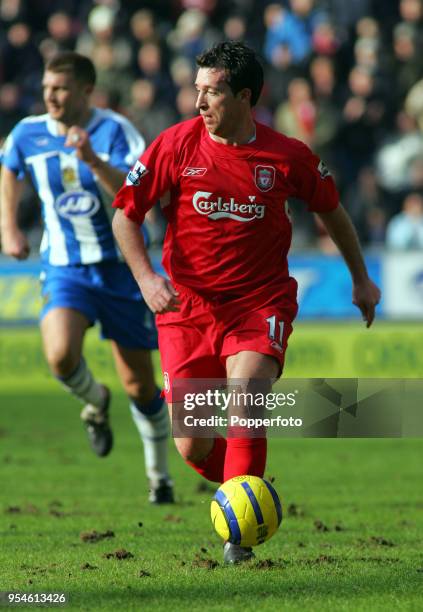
x=229 y=230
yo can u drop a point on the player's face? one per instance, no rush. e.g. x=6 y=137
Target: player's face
x=66 y=100
x=221 y=110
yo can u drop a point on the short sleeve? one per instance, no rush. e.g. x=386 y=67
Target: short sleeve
x=312 y=181
x=128 y=145
x=151 y=177
x=11 y=155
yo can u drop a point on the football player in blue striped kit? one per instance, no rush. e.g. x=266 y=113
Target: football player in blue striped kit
x=77 y=158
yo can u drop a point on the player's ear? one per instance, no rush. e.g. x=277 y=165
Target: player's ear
x=244 y=95
x=88 y=89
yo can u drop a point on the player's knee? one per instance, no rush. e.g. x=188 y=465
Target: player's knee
x=142 y=390
x=139 y=391
x=192 y=450
x=61 y=361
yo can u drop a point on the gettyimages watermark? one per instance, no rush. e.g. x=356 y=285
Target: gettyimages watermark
x=298 y=408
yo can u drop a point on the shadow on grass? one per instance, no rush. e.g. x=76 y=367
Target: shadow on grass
x=239 y=589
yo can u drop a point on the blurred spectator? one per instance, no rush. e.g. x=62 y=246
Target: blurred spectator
x=328 y=114
x=10 y=111
x=411 y=11
x=367 y=27
x=182 y=72
x=364 y=122
x=62 y=31
x=12 y=11
x=405 y=230
x=22 y=63
x=348 y=13
x=48 y=48
x=365 y=204
x=407 y=67
x=20 y=57
x=325 y=40
x=143 y=27
x=151 y=66
x=290 y=32
x=262 y=110
x=105 y=99
x=297 y=116
x=110 y=78
x=102 y=26
x=322 y=73
x=396 y=160
x=235 y=28
x=185 y=102
x=414 y=103
x=366 y=54
x=280 y=70
x=192 y=34
x=149 y=114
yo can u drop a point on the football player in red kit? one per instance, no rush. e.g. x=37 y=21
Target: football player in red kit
x=226 y=310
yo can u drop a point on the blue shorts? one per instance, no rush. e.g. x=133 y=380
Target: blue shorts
x=105 y=292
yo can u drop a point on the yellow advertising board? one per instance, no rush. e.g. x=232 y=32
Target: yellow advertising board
x=329 y=350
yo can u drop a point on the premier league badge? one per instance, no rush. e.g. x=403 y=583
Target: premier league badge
x=265 y=177
x=323 y=170
x=134 y=176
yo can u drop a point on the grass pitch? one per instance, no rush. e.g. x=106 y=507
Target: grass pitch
x=351 y=538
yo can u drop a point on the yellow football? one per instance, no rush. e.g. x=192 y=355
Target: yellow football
x=246 y=510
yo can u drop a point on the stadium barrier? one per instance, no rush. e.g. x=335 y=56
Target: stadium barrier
x=324 y=287
x=329 y=338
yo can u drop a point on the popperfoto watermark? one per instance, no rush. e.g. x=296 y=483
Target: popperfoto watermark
x=236 y=408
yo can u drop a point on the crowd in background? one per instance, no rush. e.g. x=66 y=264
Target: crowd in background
x=346 y=77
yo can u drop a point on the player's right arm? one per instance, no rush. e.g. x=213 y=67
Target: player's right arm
x=158 y=293
x=13 y=241
x=151 y=177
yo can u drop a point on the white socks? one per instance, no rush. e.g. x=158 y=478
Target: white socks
x=154 y=430
x=82 y=384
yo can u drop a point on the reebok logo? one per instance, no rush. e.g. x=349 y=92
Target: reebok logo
x=194 y=171
x=217 y=208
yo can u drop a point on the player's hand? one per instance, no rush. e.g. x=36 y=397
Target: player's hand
x=14 y=243
x=159 y=294
x=366 y=296
x=80 y=140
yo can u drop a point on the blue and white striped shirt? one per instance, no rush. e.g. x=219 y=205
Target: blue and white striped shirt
x=77 y=227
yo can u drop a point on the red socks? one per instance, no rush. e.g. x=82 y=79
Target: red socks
x=245 y=456
x=233 y=457
x=212 y=466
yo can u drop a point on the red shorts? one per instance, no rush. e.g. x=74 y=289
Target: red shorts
x=195 y=342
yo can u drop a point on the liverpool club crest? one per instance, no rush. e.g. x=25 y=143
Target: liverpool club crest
x=265 y=177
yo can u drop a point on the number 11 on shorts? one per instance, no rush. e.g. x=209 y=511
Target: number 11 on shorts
x=272 y=321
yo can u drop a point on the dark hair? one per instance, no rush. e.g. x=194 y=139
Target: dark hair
x=242 y=67
x=80 y=66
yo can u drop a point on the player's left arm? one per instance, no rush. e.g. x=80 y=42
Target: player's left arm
x=366 y=295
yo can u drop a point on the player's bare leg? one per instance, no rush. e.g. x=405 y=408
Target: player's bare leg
x=149 y=413
x=252 y=365
x=63 y=331
x=194 y=450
